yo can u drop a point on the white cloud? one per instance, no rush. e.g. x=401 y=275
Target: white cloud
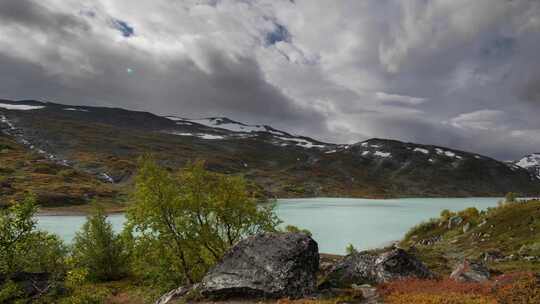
x=382 y=96
x=480 y=120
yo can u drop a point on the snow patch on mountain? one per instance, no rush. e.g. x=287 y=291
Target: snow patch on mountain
x=226 y=124
x=22 y=107
x=210 y=136
x=302 y=142
x=421 y=150
x=383 y=154
x=447 y=153
x=199 y=135
x=75 y=109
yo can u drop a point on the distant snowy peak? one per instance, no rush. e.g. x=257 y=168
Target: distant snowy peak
x=532 y=160
x=531 y=163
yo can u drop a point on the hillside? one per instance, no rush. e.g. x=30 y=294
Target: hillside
x=102 y=145
x=505 y=238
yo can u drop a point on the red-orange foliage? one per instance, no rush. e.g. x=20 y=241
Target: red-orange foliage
x=523 y=290
x=516 y=288
x=435 y=287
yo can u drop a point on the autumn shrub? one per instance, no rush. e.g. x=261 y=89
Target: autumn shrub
x=344 y=296
x=446 y=214
x=443 y=298
x=422 y=228
x=512 y=288
x=67 y=174
x=436 y=292
x=469 y=213
x=523 y=290
x=434 y=287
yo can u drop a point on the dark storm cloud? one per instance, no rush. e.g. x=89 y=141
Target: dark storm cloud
x=125 y=77
x=453 y=73
x=32 y=14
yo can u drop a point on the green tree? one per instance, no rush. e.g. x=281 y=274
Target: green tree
x=23 y=248
x=182 y=223
x=16 y=227
x=98 y=249
x=350 y=249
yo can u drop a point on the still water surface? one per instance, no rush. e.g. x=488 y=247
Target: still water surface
x=334 y=222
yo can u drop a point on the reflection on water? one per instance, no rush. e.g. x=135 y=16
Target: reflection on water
x=334 y=222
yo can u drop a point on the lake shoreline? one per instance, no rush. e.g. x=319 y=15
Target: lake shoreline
x=333 y=222
x=83 y=210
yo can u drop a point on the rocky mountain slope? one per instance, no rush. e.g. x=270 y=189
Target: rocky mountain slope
x=104 y=143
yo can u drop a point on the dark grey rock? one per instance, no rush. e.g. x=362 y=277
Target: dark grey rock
x=269 y=265
x=356 y=268
x=398 y=264
x=469 y=271
x=367 y=268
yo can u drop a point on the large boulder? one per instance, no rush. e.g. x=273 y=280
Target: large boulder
x=270 y=265
x=468 y=271
x=366 y=268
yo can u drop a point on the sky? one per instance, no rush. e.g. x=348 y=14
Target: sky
x=457 y=73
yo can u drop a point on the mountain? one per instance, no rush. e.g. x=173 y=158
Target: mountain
x=530 y=162
x=99 y=146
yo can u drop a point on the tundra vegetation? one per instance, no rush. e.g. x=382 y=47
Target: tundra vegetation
x=181 y=223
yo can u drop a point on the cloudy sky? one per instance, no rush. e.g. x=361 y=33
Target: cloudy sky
x=457 y=73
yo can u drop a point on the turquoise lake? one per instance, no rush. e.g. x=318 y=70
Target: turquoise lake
x=334 y=222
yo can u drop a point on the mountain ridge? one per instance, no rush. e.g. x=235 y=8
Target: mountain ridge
x=106 y=142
